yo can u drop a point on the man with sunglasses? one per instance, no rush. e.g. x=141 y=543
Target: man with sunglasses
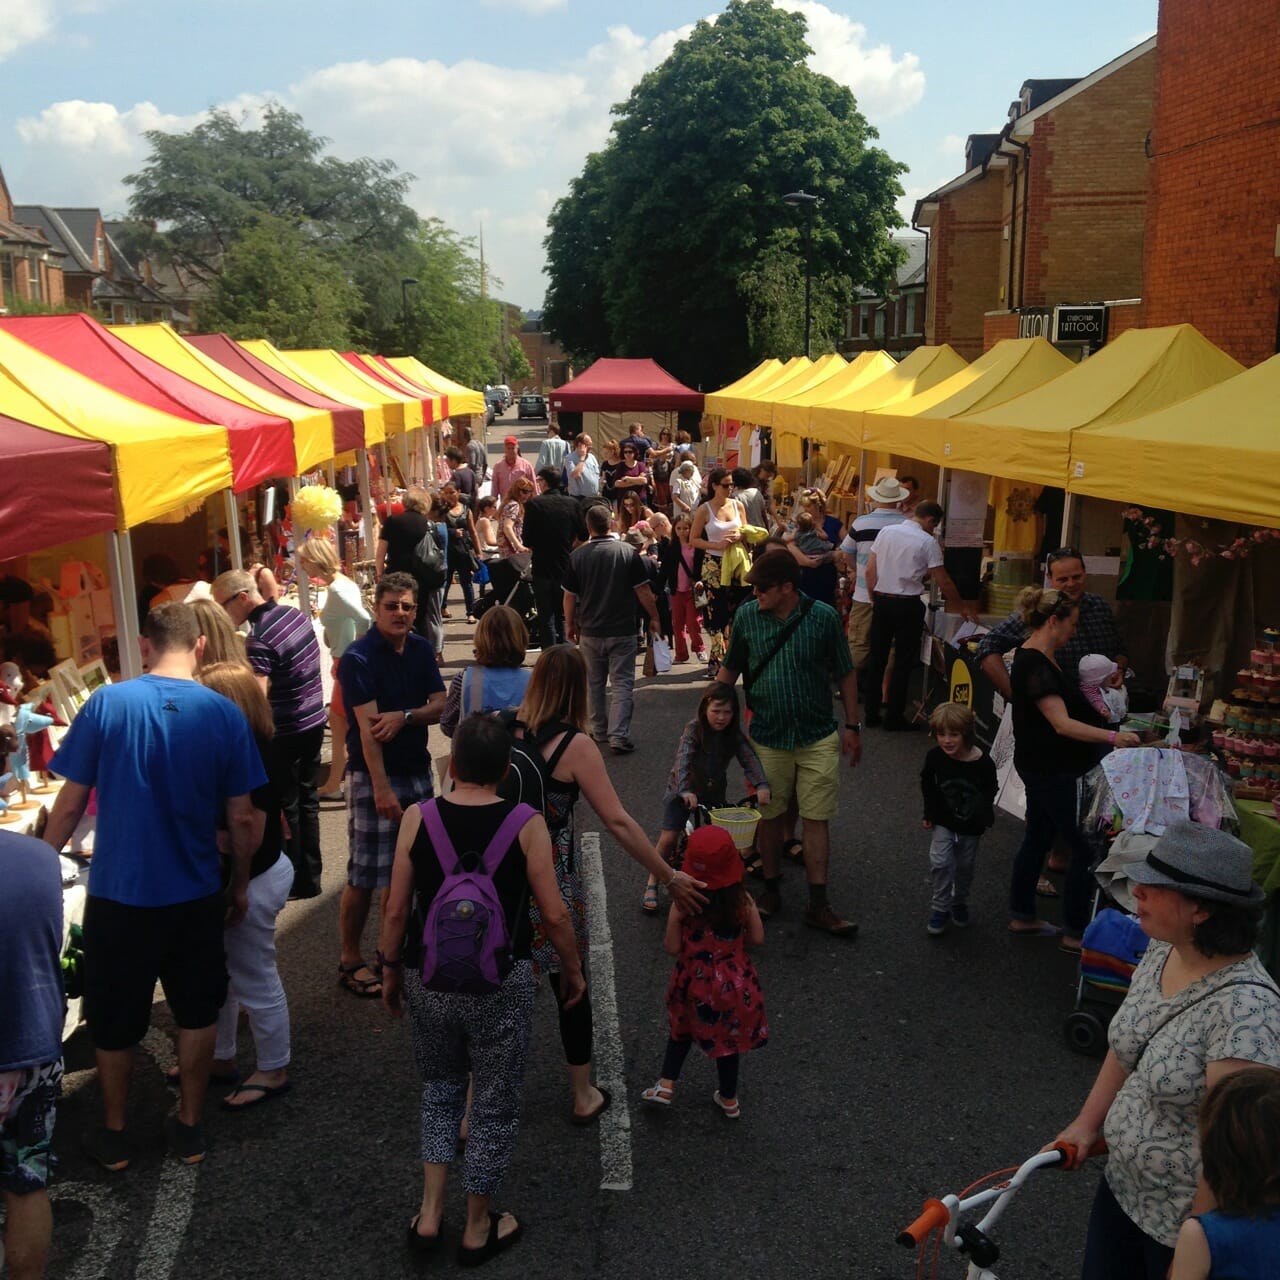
x=393 y=691
x=1096 y=630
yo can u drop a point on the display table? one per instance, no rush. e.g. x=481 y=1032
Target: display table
x=1261 y=832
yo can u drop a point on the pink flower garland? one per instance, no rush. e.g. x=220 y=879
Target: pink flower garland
x=1237 y=549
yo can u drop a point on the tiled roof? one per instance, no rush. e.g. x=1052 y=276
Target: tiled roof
x=57 y=232
x=912 y=270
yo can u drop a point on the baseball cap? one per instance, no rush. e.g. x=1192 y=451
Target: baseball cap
x=511 y=440
x=711 y=856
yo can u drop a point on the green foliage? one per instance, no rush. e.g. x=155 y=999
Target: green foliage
x=674 y=241
x=16 y=305
x=513 y=364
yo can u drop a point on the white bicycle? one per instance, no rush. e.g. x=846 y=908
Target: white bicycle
x=973 y=1239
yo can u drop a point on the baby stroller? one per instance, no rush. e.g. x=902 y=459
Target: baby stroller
x=1177 y=784
x=510 y=583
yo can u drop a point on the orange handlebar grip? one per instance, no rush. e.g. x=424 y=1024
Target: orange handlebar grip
x=935 y=1215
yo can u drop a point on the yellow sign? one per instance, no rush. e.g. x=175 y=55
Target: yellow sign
x=961 y=684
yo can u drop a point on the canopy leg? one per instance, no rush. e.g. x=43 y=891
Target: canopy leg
x=299 y=573
x=124 y=603
x=231 y=514
x=366 y=500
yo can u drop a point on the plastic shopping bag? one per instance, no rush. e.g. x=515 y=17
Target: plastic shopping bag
x=661 y=655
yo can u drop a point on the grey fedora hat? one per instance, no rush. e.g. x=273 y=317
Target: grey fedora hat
x=1201 y=862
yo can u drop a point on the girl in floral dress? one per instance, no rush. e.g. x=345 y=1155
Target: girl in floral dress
x=714 y=998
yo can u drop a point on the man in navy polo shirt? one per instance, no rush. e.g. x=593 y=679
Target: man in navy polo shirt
x=393 y=691
x=172 y=762
x=285 y=655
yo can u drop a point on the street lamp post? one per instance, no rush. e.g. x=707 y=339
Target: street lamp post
x=803 y=199
x=405 y=282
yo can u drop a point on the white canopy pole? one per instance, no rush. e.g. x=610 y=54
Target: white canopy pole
x=299 y=573
x=231 y=514
x=124 y=603
x=366 y=499
x=1068 y=504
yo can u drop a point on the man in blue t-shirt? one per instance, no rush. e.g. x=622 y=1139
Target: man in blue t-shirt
x=392 y=689
x=172 y=762
x=30 y=1043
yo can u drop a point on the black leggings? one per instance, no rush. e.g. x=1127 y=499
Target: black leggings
x=575 y=1026
x=726 y=1068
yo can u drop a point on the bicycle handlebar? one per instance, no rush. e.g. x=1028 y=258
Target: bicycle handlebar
x=1072 y=1159
x=936 y=1214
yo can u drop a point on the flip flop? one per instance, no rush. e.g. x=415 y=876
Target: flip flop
x=493 y=1246
x=1043 y=930
x=1070 y=950
x=583 y=1121
x=1045 y=888
x=649 y=903
x=265 y=1093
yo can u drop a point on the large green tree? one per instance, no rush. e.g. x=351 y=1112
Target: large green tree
x=673 y=240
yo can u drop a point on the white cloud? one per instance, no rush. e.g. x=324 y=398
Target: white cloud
x=489 y=145
x=952 y=146
x=535 y=7
x=23 y=22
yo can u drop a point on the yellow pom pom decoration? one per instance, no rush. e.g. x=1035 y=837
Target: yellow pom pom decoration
x=316 y=507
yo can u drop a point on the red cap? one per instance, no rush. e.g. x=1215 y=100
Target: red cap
x=711 y=856
x=511 y=440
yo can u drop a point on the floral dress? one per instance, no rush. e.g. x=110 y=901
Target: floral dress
x=714 y=996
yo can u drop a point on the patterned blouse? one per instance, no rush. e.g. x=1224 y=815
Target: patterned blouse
x=1151 y=1127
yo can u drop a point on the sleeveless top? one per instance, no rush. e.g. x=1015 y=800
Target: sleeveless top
x=459 y=539
x=1242 y=1248
x=717 y=530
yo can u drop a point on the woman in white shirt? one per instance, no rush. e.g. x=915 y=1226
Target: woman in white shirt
x=718 y=525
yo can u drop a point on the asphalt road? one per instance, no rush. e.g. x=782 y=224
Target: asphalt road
x=900 y=1066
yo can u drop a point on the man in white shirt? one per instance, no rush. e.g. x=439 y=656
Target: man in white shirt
x=856 y=549
x=902 y=558
x=552 y=451
x=582 y=470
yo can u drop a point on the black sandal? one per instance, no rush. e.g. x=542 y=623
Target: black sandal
x=368 y=988
x=793 y=851
x=752 y=865
x=493 y=1246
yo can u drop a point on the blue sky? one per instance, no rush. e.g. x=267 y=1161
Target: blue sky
x=492 y=104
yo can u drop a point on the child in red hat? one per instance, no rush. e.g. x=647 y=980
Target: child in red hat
x=714 y=997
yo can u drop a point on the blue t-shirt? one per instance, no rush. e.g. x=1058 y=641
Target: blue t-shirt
x=30 y=952
x=1241 y=1248
x=165 y=756
x=372 y=671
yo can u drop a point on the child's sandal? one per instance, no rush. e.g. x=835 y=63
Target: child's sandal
x=658 y=1094
x=728 y=1108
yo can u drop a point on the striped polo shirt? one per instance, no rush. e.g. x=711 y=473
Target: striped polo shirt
x=282 y=646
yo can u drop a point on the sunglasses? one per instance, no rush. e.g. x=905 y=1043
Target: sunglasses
x=222 y=604
x=399 y=606
x=1063 y=553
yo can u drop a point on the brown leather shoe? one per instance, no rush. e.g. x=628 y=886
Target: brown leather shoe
x=827 y=920
x=768 y=903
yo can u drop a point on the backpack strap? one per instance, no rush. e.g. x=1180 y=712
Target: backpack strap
x=469 y=685
x=511 y=827
x=441 y=845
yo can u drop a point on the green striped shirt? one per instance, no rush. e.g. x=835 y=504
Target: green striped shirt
x=791 y=700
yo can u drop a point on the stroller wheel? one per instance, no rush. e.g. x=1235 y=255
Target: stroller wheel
x=1085 y=1033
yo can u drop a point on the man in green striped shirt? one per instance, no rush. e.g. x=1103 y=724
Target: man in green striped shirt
x=790 y=650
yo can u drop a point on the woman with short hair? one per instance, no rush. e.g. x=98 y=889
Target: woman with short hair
x=498 y=677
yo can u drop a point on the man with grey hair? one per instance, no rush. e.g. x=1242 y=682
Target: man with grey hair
x=285 y=656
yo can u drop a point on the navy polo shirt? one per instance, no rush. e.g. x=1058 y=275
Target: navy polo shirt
x=372 y=671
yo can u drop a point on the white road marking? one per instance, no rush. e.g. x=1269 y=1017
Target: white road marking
x=615 y=1124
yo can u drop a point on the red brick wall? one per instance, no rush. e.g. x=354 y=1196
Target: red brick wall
x=964 y=265
x=996 y=326
x=1122 y=319
x=1210 y=254
x=1088 y=192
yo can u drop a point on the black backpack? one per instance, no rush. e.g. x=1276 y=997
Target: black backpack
x=526 y=781
x=428 y=559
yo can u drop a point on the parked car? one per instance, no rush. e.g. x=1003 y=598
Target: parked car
x=533 y=407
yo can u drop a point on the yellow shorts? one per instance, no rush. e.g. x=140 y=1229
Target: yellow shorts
x=811 y=773
x=860 y=633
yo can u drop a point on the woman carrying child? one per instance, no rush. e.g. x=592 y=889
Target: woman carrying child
x=714 y=995
x=700 y=773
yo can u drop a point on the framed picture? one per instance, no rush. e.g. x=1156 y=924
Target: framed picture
x=94 y=675
x=70 y=692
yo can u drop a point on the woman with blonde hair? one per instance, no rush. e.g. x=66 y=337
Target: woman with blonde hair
x=344 y=619
x=498 y=677
x=222 y=642
x=511 y=523
x=254 y=976
x=553 y=716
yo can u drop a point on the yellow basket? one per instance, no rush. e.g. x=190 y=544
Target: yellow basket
x=739 y=822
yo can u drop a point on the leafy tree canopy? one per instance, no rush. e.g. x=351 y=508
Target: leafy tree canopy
x=674 y=241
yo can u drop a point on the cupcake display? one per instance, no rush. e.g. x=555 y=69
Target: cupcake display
x=1250 y=734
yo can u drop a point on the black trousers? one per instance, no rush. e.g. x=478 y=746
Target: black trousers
x=295 y=761
x=897 y=623
x=548 y=597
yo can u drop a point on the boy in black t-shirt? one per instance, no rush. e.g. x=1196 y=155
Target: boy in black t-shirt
x=958 y=783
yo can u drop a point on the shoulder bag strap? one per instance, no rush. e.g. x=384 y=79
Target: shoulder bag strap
x=442 y=846
x=750 y=677
x=554 y=759
x=1177 y=1013
x=511 y=827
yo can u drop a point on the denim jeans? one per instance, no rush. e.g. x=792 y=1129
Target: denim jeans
x=611 y=661
x=1052 y=807
x=951 y=860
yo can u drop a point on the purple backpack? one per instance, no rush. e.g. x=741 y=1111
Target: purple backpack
x=465 y=945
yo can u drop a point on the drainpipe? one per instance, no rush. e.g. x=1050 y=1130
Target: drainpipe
x=924 y=231
x=1025 y=148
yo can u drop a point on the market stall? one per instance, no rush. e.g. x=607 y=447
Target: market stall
x=611 y=393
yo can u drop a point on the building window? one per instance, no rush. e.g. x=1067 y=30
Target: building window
x=848 y=324
x=8 y=290
x=863 y=321
x=100 y=254
x=879 y=322
x=33 y=279
x=911 y=323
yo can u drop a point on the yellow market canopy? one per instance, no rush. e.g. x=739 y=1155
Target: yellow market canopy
x=740 y=403
x=375 y=410
x=160 y=462
x=403 y=411
x=312 y=428
x=742 y=387
x=916 y=427
x=1215 y=454
x=817 y=375
x=839 y=419
x=791 y=414
x=462 y=400
x=1029 y=438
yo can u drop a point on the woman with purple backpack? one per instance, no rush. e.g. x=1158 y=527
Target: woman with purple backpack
x=462 y=963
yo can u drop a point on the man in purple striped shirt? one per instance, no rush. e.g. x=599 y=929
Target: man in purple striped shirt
x=285 y=656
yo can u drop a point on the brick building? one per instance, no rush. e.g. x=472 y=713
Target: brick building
x=892 y=322
x=30 y=266
x=1049 y=212
x=547 y=358
x=1212 y=251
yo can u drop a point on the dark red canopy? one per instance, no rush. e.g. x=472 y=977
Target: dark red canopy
x=619 y=385
x=261 y=444
x=59 y=488
x=348 y=421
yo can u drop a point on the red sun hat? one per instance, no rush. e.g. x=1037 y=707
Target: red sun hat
x=711 y=856
x=511 y=440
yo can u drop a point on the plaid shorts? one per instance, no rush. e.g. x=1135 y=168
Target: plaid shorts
x=371 y=839
x=27 y=1111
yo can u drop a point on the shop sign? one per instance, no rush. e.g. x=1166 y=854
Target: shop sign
x=961 y=684
x=1080 y=324
x=1035 y=323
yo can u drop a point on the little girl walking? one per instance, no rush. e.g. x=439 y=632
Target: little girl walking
x=714 y=995
x=700 y=774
